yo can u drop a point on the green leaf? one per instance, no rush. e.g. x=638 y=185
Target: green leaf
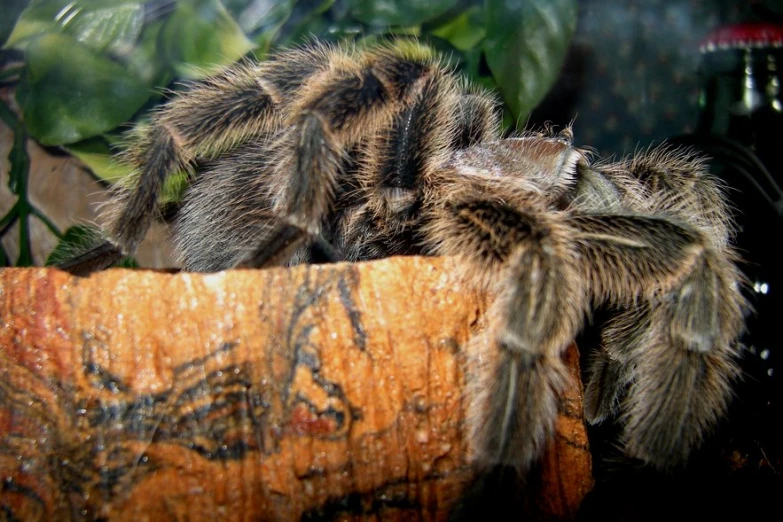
x=11 y=11
x=525 y=47
x=255 y=15
x=269 y=23
x=105 y=25
x=144 y=61
x=38 y=18
x=97 y=155
x=464 y=31
x=403 y=13
x=305 y=21
x=471 y=65
x=200 y=37
x=112 y=29
x=68 y=93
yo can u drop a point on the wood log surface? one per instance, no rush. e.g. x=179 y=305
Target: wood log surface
x=331 y=392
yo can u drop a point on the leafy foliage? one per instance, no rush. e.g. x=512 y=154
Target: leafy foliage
x=403 y=13
x=22 y=210
x=61 y=104
x=525 y=46
x=90 y=67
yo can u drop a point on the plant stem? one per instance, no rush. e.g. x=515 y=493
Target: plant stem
x=18 y=183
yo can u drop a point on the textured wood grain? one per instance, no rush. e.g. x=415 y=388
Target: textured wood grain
x=325 y=392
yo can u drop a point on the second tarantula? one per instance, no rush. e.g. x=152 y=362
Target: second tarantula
x=338 y=153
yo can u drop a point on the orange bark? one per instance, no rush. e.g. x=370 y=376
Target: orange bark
x=317 y=391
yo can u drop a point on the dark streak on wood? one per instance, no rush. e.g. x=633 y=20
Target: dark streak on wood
x=350 y=279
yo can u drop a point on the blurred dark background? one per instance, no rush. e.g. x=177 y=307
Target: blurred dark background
x=704 y=74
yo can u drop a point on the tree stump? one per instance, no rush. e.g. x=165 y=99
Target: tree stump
x=316 y=392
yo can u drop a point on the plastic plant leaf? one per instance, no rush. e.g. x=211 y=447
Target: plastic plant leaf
x=104 y=25
x=68 y=93
x=403 y=13
x=112 y=29
x=144 y=60
x=200 y=37
x=525 y=46
x=11 y=11
x=472 y=66
x=464 y=31
x=260 y=15
x=97 y=155
x=304 y=22
x=267 y=23
x=38 y=18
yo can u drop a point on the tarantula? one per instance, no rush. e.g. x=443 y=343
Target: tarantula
x=339 y=153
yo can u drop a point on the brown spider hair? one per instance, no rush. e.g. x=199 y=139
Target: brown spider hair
x=340 y=153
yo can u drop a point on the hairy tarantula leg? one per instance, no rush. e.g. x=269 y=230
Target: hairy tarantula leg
x=397 y=166
x=680 y=184
x=523 y=256
x=349 y=101
x=408 y=153
x=278 y=247
x=477 y=118
x=281 y=244
x=610 y=370
x=226 y=219
x=96 y=258
x=684 y=360
x=541 y=313
x=216 y=115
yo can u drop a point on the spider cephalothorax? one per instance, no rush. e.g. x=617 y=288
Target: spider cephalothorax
x=337 y=153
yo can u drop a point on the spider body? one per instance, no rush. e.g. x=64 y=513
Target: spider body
x=345 y=154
